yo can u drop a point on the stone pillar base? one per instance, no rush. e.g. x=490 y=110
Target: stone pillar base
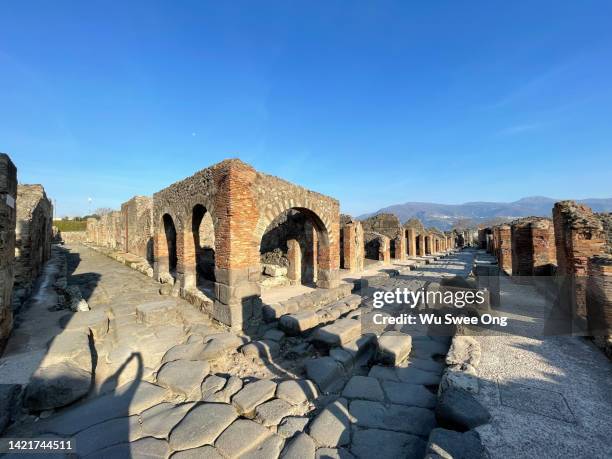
x=328 y=278
x=237 y=296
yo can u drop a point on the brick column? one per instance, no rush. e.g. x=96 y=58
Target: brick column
x=8 y=194
x=400 y=246
x=422 y=251
x=353 y=249
x=428 y=245
x=599 y=296
x=411 y=234
x=385 y=250
x=504 y=249
x=294 y=255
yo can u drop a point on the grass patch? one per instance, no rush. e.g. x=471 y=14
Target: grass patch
x=67 y=226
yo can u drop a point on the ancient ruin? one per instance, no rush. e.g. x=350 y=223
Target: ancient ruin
x=533 y=247
x=8 y=195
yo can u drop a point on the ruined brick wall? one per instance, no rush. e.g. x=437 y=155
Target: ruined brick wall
x=33 y=234
x=390 y=226
x=533 y=247
x=137 y=226
x=503 y=247
x=352 y=245
x=377 y=246
x=579 y=235
x=8 y=196
x=599 y=296
x=606 y=221
x=412 y=229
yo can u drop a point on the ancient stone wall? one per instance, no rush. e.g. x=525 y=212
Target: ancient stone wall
x=8 y=196
x=606 y=221
x=599 y=297
x=579 y=235
x=137 y=226
x=390 y=226
x=533 y=248
x=352 y=252
x=377 y=246
x=502 y=235
x=33 y=234
x=412 y=229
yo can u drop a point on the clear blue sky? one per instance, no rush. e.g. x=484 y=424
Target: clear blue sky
x=374 y=103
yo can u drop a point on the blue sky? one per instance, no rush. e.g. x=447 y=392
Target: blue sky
x=374 y=103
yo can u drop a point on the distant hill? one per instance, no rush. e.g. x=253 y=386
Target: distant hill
x=445 y=216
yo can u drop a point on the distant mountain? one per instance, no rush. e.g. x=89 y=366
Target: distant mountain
x=445 y=216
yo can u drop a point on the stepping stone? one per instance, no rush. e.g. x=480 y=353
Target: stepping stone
x=242 y=436
x=71 y=346
x=211 y=385
x=159 y=420
x=55 y=386
x=252 y=395
x=449 y=443
x=384 y=444
x=417 y=376
x=302 y=446
x=184 y=377
x=393 y=347
x=427 y=365
x=338 y=333
x=324 y=371
x=289 y=426
x=407 y=419
x=363 y=387
x=333 y=453
x=202 y=425
x=203 y=452
x=272 y=412
x=332 y=425
x=459 y=410
x=297 y=391
x=294 y=324
x=409 y=394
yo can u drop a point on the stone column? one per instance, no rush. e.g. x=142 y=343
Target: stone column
x=385 y=250
x=353 y=249
x=294 y=255
x=428 y=245
x=400 y=246
x=8 y=194
x=504 y=249
x=411 y=242
x=422 y=250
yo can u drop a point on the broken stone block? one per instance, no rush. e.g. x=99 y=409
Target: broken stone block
x=294 y=324
x=271 y=312
x=464 y=350
x=272 y=412
x=449 y=444
x=71 y=346
x=55 y=386
x=261 y=349
x=189 y=351
x=234 y=384
x=96 y=321
x=458 y=410
x=184 y=377
x=458 y=380
x=274 y=270
x=252 y=395
x=342 y=356
x=291 y=425
x=156 y=312
x=202 y=425
x=297 y=391
x=409 y=394
x=407 y=419
x=338 y=333
x=331 y=427
x=300 y=447
x=363 y=387
x=393 y=347
x=75 y=299
x=324 y=371
x=219 y=345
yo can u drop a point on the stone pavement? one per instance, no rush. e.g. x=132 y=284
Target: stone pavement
x=169 y=383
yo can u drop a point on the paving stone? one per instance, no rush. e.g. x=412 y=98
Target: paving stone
x=211 y=385
x=274 y=334
x=202 y=425
x=203 y=452
x=449 y=444
x=294 y=324
x=184 y=377
x=333 y=453
x=96 y=321
x=338 y=333
x=219 y=345
x=55 y=386
x=252 y=395
x=189 y=351
x=159 y=420
x=144 y=448
x=459 y=410
x=427 y=348
x=297 y=391
x=106 y=434
x=243 y=435
x=427 y=365
x=459 y=380
x=393 y=347
x=9 y=397
x=324 y=371
x=302 y=446
x=261 y=350
x=271 y=312
x=360 y=346
x=363 y=387
x=407 y=419
x=409 y=394
x=70 y=346
x=156 y=312
x=331 y=427
x=343 y=357
x=233 y=385
x=290 y=425
x=272 y=412
x=415 y=375
x=383 y=373
x=384 y=444
x=270 y=447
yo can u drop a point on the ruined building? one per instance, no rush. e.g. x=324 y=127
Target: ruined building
x=8 y=195
x=352 y=244
x=33 y=236
x=533 y=246
x=387 y=225
x=502 y=246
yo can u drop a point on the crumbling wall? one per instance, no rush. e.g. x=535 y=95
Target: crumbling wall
x=377 y=246
x=533 y=248
x=503 y=246
x=33 y=234
x=606 y=221
x=8 y=195
x=352 y=243
x=579 y=235
x=137 y=226
x=599 y=300
x=390 y=226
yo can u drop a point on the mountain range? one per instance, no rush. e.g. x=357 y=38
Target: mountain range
x=446 y=216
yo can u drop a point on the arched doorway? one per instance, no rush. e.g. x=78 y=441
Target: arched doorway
x=170 y=243
x=203 y=233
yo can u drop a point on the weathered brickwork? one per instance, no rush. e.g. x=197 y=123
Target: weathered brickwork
x=377 y=246
x=599 y=295
x=390 y=226
x=533 y=248
x=137 y=227
x=353 y=245
x=579 y=235
x=413 y=228
x=8 y=196
x=33 y=234
x=502 y=244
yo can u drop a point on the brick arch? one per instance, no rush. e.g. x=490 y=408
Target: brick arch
x=162 y=249
x=189 y=250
